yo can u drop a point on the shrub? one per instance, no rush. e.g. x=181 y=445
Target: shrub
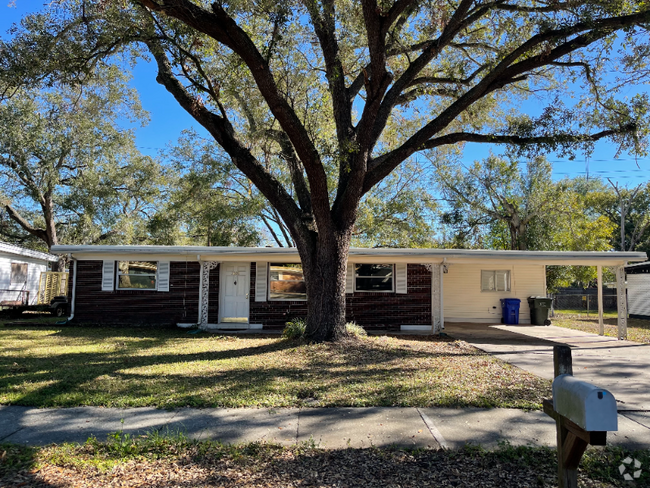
x=354 y=330
x=294 y=329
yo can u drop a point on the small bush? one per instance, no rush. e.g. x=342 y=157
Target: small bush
x=354 y=330
x=294 y=329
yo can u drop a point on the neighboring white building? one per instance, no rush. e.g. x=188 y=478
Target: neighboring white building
x=638 y=290
x=20 y=272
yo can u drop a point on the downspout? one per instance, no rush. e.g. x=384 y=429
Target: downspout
x=73 y=298
x=198 y=316
x=443 y=268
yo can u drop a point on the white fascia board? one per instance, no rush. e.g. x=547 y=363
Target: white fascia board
x=6 y=248
x=568 y=261
x=357 y=255
x=189 y=257
x=485 y=254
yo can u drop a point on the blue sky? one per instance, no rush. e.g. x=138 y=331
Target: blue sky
x=168 y=120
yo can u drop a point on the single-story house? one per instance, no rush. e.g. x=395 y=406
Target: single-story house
x=638 y=290
x=235 y=287
x=20 y=273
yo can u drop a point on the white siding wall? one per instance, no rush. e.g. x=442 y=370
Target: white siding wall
x=465 y=302
x=34 y=269
x=638 y=294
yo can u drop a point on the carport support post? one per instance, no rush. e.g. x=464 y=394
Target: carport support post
x=621 y=303
x=601 y=324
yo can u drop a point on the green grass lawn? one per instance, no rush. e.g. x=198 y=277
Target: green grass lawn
x=637 y=330
x=46 y=366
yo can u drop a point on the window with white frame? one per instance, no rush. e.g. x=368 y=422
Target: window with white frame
x=286 y=282
x=374 y=277
x=137 y=275
x=18 y=273
x=495 y=280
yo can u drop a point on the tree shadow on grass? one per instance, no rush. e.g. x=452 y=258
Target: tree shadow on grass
x=63 y=374
x=134 y=373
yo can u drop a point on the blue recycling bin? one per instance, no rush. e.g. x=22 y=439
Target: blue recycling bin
x=510 y=310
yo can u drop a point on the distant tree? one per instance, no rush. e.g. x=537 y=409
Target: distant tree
x=210 y=201
x=513 y=207
x=629 y=211
x=399 y=212
x=67 y=170
x=504 y=195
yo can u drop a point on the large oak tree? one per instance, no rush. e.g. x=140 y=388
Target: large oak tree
x=343 y=92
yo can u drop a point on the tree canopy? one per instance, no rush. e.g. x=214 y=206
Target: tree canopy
x=518 y=206
x=67 y=168
x=341 y=93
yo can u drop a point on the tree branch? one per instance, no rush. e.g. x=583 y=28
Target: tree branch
x=507 y=71
x=295 y=169
x=457 y=137
x=223 y=133
x=224 y=29
x=325 y=28
x=16 y=217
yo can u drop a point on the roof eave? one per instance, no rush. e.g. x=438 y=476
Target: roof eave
x=204 y=253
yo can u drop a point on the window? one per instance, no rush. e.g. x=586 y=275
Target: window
x=286 y=282
x=137 y=275
x=498 y=280
x=373 y=277
x=18 y=273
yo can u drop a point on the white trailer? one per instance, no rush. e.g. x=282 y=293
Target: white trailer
x=20 y=275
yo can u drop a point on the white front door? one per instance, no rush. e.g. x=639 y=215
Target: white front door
x=235 y=287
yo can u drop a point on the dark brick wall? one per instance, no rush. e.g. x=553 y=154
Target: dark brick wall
x=180 y=304
x=390 y=310
x=371 y=310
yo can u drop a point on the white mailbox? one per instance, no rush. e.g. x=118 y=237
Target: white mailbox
x=590 y=407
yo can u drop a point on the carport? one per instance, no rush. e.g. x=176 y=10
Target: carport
x=532 y=272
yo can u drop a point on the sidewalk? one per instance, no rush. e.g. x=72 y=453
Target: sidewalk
x=330 y=428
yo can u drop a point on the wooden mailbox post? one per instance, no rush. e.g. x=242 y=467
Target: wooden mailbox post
x=583 y=415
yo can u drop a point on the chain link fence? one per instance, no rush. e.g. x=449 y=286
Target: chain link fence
x=584 y=302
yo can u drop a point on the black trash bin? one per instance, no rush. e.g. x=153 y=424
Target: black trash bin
x=539 y=309
x=510 y=310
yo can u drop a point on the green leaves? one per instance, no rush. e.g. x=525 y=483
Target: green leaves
x=519 y=206
x=210 y=202
x=69 y=171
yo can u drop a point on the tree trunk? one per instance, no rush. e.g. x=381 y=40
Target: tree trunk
x=521 y=236
x=517 y=235
x=50 y=230
x=324 y=266
x=623 y=217
x=60 y=265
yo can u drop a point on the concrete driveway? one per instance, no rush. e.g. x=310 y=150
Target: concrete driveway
x=622 y=367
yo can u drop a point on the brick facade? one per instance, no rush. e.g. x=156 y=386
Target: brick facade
x=390 y=310
x=180 y=304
